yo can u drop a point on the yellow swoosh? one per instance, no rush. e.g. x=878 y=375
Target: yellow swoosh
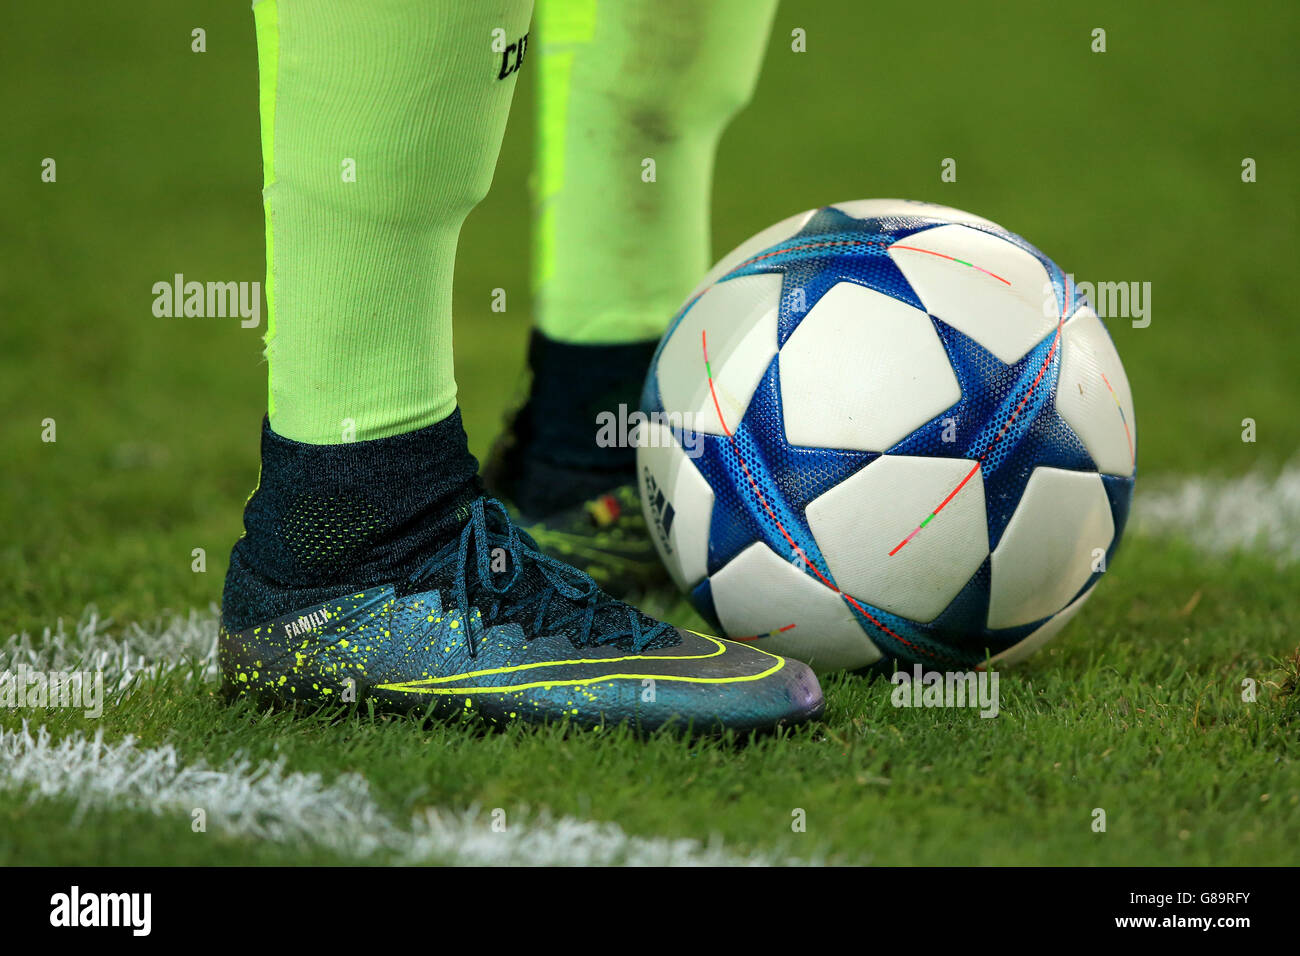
x=426 y=686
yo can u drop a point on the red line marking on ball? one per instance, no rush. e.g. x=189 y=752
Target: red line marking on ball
x=759 y=637
x=1127 y=435
x=1056 y=340
x=745 y=467
x=704 y=341
x=828 y=244
x=931 y=252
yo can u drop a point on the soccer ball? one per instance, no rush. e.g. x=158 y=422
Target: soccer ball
x=887 y=431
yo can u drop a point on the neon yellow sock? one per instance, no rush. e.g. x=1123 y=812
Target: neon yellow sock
x=381 y=125
x=622 y=82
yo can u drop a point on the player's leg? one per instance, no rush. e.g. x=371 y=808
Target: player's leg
x=633 y=99
x=371 y=566
x=619 y=241
x=381 y=124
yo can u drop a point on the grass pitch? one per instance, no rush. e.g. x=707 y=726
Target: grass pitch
x=1123 y=166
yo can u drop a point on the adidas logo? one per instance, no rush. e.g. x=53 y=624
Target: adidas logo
x=661 y=509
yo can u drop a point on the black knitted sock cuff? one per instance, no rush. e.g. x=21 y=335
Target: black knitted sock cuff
x=557 y=459
x=326 y=518
x=572 y=386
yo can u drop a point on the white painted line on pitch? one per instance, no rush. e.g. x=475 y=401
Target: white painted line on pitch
x=178 y=642
x=1222 y=515
x=265 y=802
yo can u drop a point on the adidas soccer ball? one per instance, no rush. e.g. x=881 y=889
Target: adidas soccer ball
x=887 y=431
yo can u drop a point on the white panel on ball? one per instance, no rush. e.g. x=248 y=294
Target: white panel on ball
x=739 y=316
x=758 y=592
x=686 y=552
x=753 y=246
x=857 y=208
x=882 y=208
x=859 y=521
x=1006 y=317
x=1047 y=552
x=1040 y=636
x=863 y=371
x=1087 y=403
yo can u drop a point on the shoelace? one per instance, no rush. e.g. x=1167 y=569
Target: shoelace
x=562 y=579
